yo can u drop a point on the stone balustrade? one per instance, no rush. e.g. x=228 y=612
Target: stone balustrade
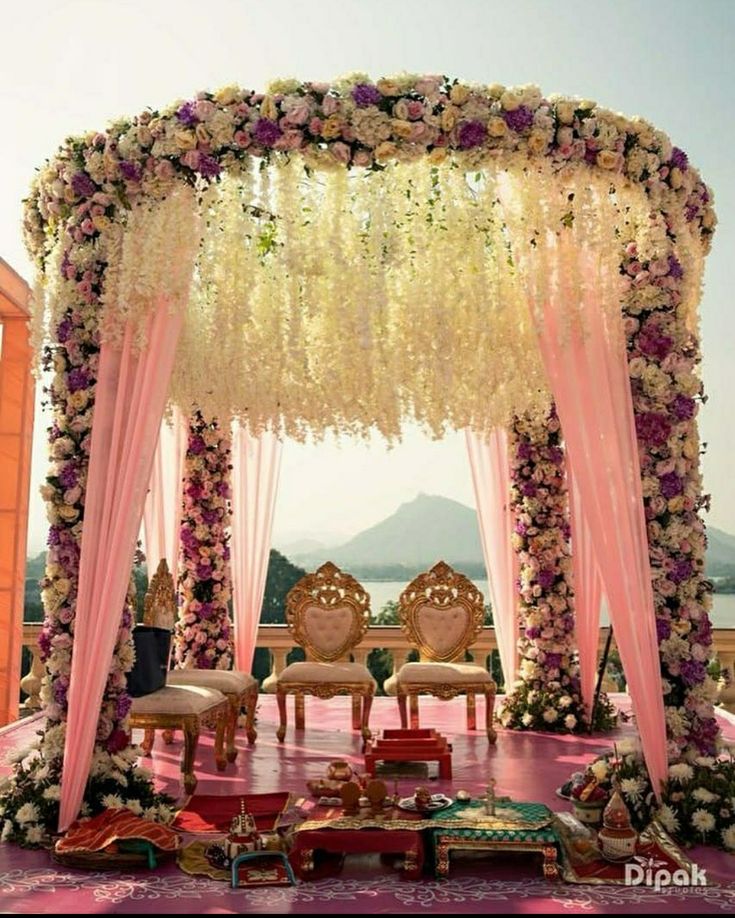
x=277 y=639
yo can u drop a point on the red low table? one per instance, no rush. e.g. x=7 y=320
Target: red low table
x=424 y=745
x=329 y=830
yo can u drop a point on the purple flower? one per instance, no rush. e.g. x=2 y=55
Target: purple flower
x=555 y=455
x=63 y=330
x=654 y=344
x=529 y=489
x=693 y=672
x=53 y=536
x=68 y=476
x=266 y=132
x=197 y=445
x=681 y=571
x=77 y=379
x=60 y=689
x=208 y=166
x=679 y=159
x=130 y=171
x=675 y=268
x=364 y=95
x=521 y=528
x=520 y=119
x=204 y=571
x=683 y=407
x=203 y=662
x=187 y=113
x=82 y=185
x=671 y=485
x=545 y=578
x=524 y=451
x=663 y=629
x=653 y=428
x=117 y=741
x=533 y=633
x=552 y=661
x=123 y=706
x=472 y=134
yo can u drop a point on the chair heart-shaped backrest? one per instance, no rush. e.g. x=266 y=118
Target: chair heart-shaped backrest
x=328 y=613
x=442 y=613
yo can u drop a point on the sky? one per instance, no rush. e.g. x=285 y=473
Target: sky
x=73 y=65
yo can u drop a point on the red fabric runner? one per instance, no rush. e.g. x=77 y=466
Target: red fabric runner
x=95 y=834
x=214 y=813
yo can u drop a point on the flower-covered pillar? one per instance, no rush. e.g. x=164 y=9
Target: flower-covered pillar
x=663 y=356
x=29 y=806
x=547 y=694
x=204 y=631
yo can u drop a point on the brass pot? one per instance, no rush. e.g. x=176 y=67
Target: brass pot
x=339 y=770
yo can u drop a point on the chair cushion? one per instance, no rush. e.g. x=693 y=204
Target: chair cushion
x=328 y=629
x=349 y=673
x=177 y=699
x=455 y=673
x=229 y=681
x=443 y=631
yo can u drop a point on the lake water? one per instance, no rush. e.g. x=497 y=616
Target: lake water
x=382 y=591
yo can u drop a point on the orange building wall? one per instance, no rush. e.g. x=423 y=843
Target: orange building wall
x=16 y=433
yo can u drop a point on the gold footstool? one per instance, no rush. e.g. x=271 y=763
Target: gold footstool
x=241 y=691
x=187 y=708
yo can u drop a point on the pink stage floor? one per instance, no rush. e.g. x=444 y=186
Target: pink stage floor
x=526 y=766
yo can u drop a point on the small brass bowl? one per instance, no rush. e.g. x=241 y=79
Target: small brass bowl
x=463 y=796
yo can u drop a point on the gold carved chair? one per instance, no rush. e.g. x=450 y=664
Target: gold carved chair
x=240 y=689
x=442 y=614
x=187 y=708
x=327 y=613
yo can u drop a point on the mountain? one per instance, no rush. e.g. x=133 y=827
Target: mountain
x=720 y=553
x=425 y=530
x=302 y=547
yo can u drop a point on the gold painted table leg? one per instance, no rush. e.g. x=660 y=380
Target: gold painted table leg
x=282 y=715
x=367 y=703
x=307 y=860
x=299 y=711
x=219 y=738
x=413 y=706
x=402 y=711
x=191 y=740
x=489 y=714
x=168 y=736
x=148 y=739
x=251 y=703
x=551 y=868
x=356 y=712
x=442 y=860
x=471 y=711
x=233 y=713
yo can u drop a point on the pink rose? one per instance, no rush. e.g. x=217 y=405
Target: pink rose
x=242 y=109
x=341 y=152
x=415 y=109
x=300 y=112
x=204 y=109
x=191 y=159
x=330 y=105
x=363 y=158
x=320 y=88
x=290 y=140
x=315 y=126
x=420 y=132
x=428 y=85
x=164 y=170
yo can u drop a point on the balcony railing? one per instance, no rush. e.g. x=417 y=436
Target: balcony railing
x=389 y=638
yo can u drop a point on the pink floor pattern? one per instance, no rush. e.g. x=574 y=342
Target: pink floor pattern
x=526 y=766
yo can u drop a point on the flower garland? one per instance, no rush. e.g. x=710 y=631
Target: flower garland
x=698 y=798
x=203 y=632
x=663 y=355
x=29 y=799
x=547 y=695
x=85 y=203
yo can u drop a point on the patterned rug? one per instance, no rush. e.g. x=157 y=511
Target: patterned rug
x=56 y=890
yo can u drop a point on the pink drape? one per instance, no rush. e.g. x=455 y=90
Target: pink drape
x=256 y=463
x=583 y=347
x=129 y=402
x=491 y=479
x=162 y=513
x=587 y=593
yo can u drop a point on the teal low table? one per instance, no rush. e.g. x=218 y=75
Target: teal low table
x=515 y=827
